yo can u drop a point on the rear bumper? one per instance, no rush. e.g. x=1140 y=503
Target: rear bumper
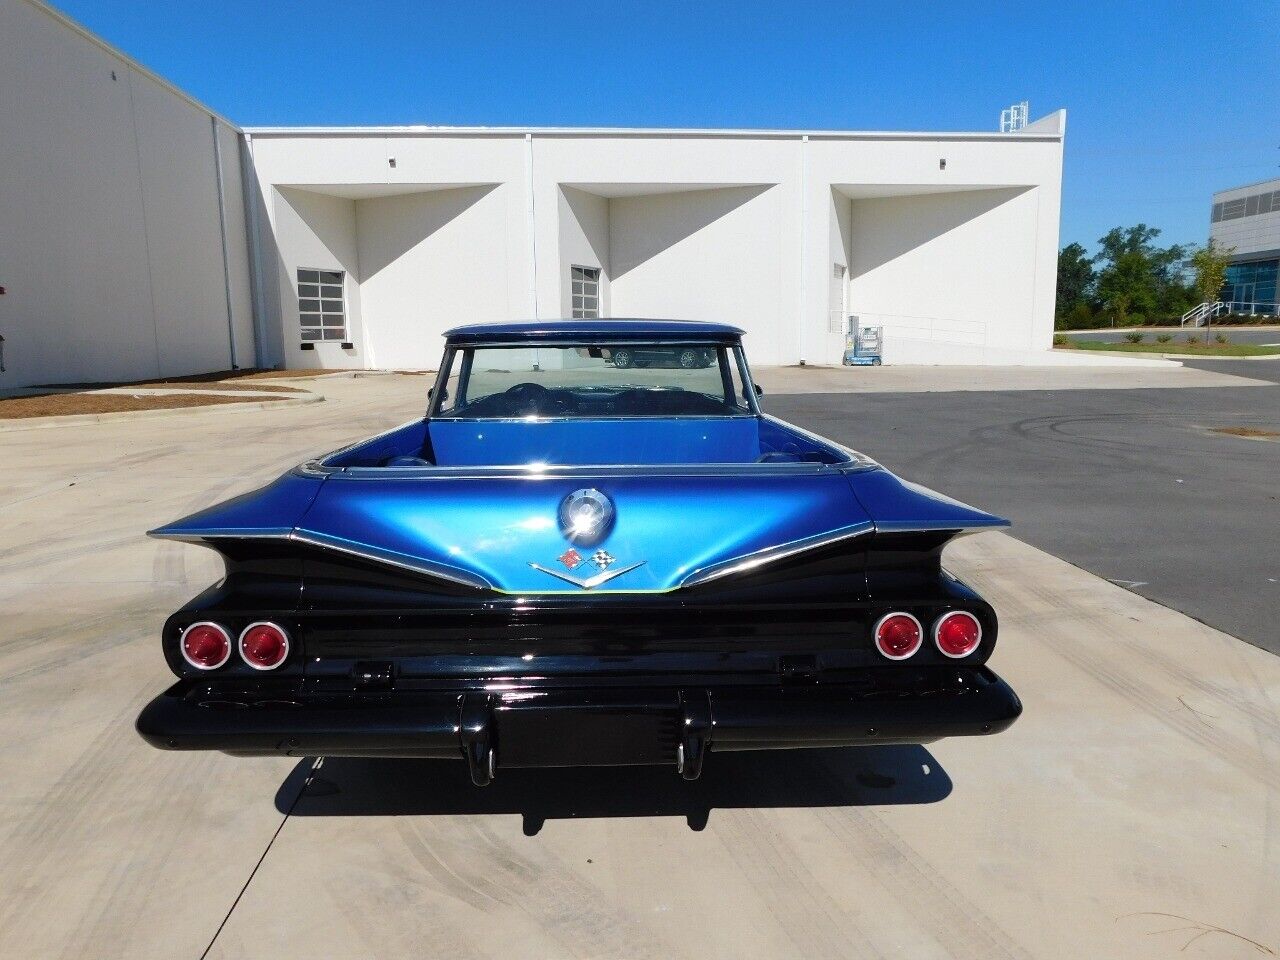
x=525 y=727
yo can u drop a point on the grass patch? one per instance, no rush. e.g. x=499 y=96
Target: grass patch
x=1199 y=349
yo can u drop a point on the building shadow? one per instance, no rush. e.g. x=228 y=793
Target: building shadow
x=848 y=777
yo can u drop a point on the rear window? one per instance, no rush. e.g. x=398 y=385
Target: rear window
x=633 y=379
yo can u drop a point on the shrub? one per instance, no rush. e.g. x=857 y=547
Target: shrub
x=1164 y=338
x=1079 y=317
x=1059 y=340
x=1133 y=337
x=1220 y=338
x=1192 y=339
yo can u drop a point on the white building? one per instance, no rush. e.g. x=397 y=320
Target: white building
x=1247 y=221
x=144 y=235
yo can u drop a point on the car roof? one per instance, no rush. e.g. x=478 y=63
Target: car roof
x=613 y=328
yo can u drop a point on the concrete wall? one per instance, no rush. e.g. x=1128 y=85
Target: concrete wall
x=583 y=242
x=426 y=261
x=949 y=240
x=705 y=254
x=111 y=246
x=319 y=231
x=950 y=276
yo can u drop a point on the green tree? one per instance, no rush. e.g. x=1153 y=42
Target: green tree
x=1075 y=278
x=1127 y=284
x=1209 y=265
x=1135 y=276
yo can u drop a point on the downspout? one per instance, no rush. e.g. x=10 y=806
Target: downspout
x=226 y=253
x=249 y=193
x=804 y=259
x=531 y=219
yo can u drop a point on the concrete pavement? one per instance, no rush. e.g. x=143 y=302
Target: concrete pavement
x=1142 y=780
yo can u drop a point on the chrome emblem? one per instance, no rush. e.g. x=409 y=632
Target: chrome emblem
x=586 y=517
x=587 y=583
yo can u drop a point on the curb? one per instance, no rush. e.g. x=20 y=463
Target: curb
x=1130 y=354
x=73 y=419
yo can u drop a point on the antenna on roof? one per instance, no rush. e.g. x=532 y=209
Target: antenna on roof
x=1015 y=118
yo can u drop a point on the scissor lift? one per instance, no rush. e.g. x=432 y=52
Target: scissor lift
x=863 y=345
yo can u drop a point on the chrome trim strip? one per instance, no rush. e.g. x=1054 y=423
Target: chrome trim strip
x=996 y=523
x=552 y=340
x=392 y=558
x=854 y=460
x=759 y=558
x=615 y=417
x=552 y=471
x=222 y=533
x=591 y=582
x=319 y=464
x=338 y=545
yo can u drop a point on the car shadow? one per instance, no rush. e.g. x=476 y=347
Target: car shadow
x=859 y=776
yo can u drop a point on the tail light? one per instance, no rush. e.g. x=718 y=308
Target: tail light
x=264 y=646
x=898 y=635
x=957 y=634
x=205 y=645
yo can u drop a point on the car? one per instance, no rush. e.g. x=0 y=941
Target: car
x=687 y=357
x=567 y=564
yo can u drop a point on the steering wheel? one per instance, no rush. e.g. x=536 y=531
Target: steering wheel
x=533 y=398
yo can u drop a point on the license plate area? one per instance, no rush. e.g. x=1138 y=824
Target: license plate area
x=556 y=731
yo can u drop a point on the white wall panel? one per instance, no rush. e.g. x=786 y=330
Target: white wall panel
x=947 y=270
x=110 y=247
x=316 y=231
x=430 y=261
x=705 y=255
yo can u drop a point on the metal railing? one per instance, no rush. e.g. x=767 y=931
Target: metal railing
x=1199 y=314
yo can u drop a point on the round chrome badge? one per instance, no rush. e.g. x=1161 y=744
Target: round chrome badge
x=586 y=517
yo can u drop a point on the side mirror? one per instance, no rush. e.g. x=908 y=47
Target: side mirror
x=759 y=389
x=431 y=392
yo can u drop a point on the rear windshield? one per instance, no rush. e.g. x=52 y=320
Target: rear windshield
x=633 y=379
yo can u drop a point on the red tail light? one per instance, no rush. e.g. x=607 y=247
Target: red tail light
x=957 y=634
x=264 y=646
x=205 y=645
x=898 y=635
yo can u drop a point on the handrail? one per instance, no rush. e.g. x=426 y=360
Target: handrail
x=1197 y=315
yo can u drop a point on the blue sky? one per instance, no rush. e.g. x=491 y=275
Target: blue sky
x=1166 y=101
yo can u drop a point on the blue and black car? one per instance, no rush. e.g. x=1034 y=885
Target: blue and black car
x=567 y=561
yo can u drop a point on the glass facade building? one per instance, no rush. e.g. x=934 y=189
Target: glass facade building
x=1252 y=283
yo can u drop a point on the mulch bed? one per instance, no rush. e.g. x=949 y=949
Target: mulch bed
x=64 y=404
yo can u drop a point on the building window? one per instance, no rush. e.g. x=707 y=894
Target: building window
x=586 y=292
x=1251 y=286
x=321 y=313
x=1249 y=206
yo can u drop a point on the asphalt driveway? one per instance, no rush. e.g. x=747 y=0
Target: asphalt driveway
x=1132 y=485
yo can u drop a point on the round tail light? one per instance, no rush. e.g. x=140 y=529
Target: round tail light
x=264 y=646
x=957 y=634
x=205 y=645
x=898 y=635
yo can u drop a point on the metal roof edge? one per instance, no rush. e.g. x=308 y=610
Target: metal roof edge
x=640 y=132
